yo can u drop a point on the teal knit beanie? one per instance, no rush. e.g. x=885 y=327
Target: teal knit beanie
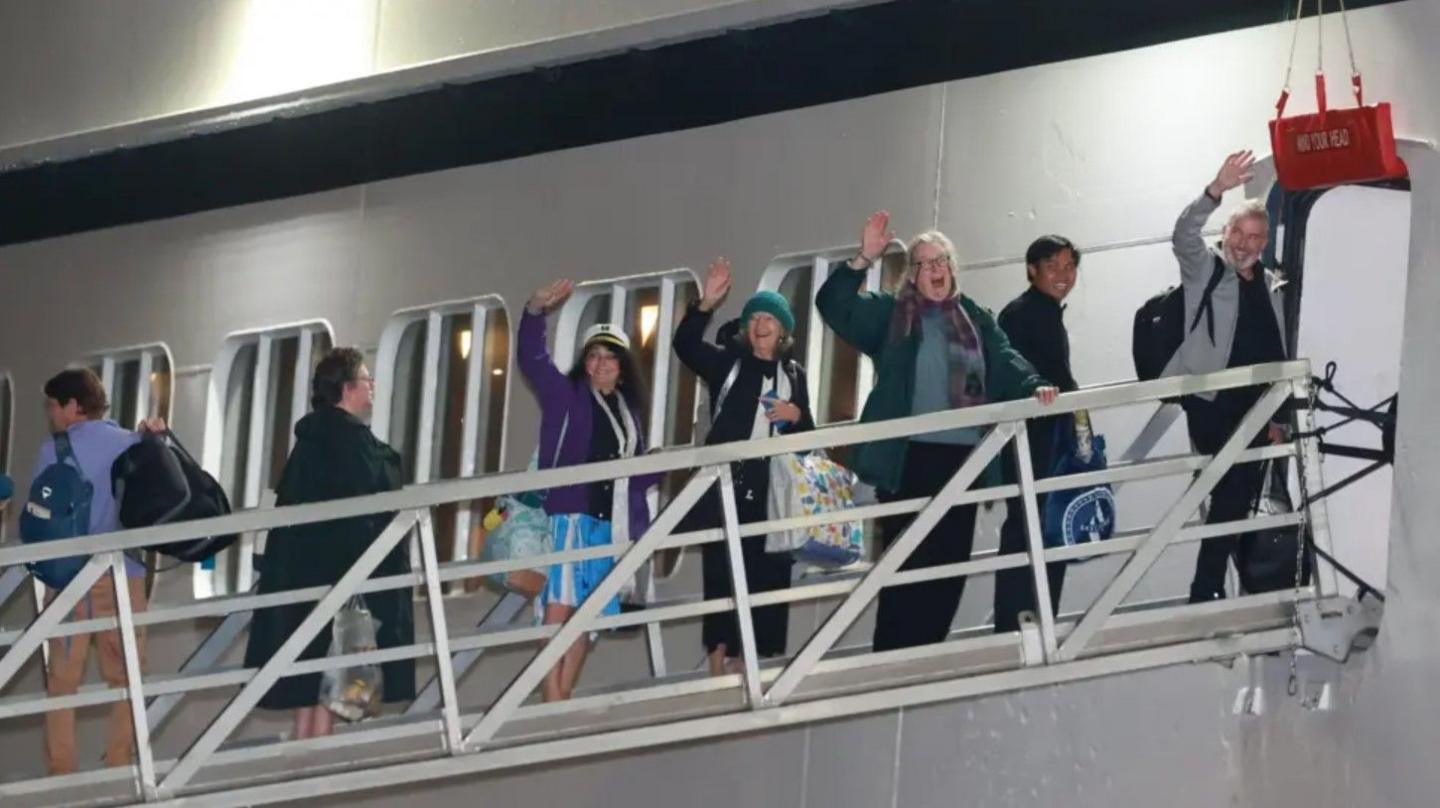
x=773 y=304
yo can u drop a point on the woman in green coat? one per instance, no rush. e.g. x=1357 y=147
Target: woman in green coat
x=934 y=349
x=335 y=456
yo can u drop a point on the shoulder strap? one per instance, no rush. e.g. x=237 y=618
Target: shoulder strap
x=725 y=389
x=790 y=371
x=1274 y=477
x=62 y=448
x=179 y=448
x=1206 y=305
x=64 y=451
x=627 y=431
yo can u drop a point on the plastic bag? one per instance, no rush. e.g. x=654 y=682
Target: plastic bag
x=517 y=528
x=354 y=691
x=805 y=486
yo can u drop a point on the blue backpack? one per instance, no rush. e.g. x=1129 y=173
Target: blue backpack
x=58 y=508
x=1077 y=515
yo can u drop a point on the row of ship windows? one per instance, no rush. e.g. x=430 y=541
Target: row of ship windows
x=442 y=386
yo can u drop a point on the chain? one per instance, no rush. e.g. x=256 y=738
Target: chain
x=1313 y=393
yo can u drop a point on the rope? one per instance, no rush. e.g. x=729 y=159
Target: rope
x=1349 y=43
x=1355 y=83
x=1294 y=38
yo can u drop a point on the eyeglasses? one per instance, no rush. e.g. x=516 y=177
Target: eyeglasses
x=942 y=262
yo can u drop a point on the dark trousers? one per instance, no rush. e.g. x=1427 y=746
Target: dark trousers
x=920 y=614
x=1211 y=423
x=764 y=572
x=1015 y=588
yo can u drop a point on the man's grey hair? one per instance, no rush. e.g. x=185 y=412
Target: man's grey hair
x=1249 y=209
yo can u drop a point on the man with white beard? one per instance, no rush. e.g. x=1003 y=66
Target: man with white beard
x=1240 y=322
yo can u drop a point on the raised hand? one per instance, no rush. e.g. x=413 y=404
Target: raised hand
x=1237 y=170
x=547 y=297
x=876 y=236
x=717 y=284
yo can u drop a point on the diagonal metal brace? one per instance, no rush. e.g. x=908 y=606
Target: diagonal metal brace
x=239 y=707
x=205 y=658
x=11 y=580
x=579 y=622
x=879 y=575
x=740 y=587
x=1169 y=527
x=501 y=614
x=51 y=616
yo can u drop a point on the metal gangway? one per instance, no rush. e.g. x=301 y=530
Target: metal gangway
x=441 y=737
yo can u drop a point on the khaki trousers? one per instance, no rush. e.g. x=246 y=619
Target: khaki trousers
x=67 y=670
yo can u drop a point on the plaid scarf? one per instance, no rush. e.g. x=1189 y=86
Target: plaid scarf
x=962 y=341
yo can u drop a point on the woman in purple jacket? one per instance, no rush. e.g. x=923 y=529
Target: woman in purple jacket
x=591 y=414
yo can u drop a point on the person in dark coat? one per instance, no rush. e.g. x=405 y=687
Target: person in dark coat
x=767 y=395
x=934 y=350
x=335 y=456
x=1035 y=324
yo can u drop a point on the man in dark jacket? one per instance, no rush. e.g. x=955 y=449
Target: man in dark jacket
x=1035 y=324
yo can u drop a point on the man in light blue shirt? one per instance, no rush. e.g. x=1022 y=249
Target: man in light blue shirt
x=76 y=404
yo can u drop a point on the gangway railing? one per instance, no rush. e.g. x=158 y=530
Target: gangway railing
x=819 y=682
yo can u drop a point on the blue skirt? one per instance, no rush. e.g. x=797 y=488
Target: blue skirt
x=572 y=582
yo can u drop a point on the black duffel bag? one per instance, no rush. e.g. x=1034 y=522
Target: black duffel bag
x=157 y=482
x=1266 y=559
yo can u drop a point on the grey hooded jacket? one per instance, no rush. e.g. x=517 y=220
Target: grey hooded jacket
x=1199 y=353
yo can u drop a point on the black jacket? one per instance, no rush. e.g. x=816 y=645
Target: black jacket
x=712 y=363
x=335 y=456
x=1035 y=325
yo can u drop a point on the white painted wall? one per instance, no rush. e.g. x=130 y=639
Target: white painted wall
x=151 y=58
x=1105 y=150
x=1357 y=250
